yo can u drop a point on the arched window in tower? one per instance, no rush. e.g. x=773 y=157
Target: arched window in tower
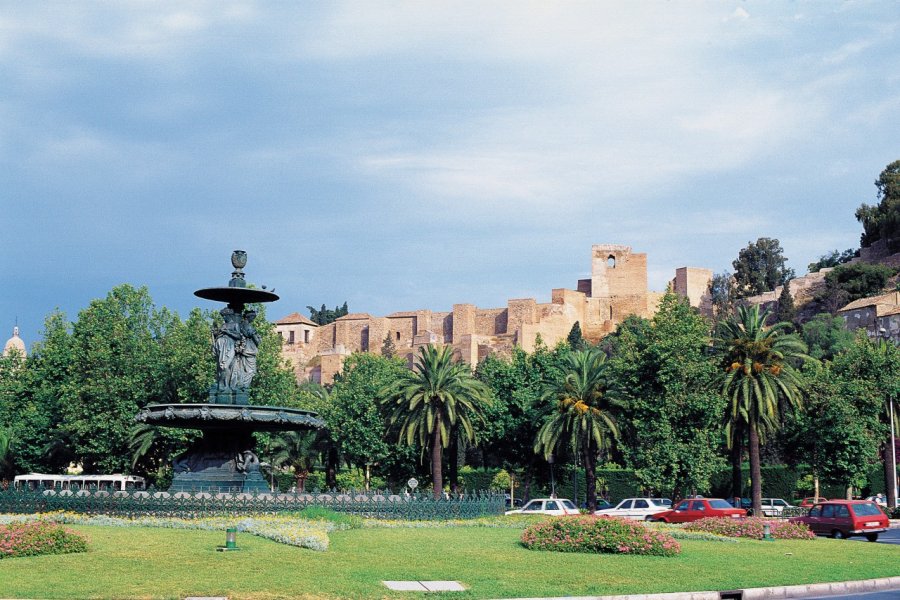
x=611 y=262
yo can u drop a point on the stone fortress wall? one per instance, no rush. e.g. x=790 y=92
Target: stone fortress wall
x=616 y=289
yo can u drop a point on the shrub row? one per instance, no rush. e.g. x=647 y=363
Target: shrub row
x=38 y=537
x=598 y=534
x=752 y=528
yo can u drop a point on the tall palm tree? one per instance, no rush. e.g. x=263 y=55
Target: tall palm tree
x=584 y=417
x=435 y=398
x=761 y=381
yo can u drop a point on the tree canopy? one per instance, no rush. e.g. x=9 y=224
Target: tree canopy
x=882 y=221
x=760 y=267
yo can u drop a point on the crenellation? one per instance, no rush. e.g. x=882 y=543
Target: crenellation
x=616 y=289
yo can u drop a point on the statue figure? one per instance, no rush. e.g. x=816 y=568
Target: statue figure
x=246 y=462
x=245 y=354
x=226 y=339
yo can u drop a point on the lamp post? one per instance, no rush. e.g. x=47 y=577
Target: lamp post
x=551 y=460
x=884 y=335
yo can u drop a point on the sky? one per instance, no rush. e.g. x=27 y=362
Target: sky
x=410 y=155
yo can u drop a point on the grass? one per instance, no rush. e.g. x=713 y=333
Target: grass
x=161 y=563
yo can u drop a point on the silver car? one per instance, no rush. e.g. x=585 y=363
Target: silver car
x=641 y=509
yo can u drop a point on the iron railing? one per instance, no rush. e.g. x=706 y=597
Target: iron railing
x=372 y=504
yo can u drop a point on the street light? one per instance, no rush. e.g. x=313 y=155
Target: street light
x=552 y=478
x=886 y=338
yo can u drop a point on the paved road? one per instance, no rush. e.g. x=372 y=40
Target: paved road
x=891 y=536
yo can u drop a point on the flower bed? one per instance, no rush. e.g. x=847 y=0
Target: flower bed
x=752 y=528
x=38 y=537
x=598 y=534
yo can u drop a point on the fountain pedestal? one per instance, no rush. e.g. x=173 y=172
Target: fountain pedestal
x=223 y=459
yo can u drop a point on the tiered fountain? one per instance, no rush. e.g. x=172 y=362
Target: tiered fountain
x=223 y=459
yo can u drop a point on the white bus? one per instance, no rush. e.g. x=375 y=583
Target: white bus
x=108 y=483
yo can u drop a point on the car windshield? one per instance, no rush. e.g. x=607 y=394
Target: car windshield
x=719 y=504
x=569 y=504
x=868 y=509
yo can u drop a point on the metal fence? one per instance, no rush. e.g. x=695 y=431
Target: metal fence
x=372 y=504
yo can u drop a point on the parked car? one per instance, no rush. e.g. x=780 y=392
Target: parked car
x=547 y=506
x=635 y=508
x=745 y=503
x=603 y=504
x=811 y=501
x=881 y=500
x=773 y=507
x=513 y=503
x=699 y=508
x=846 y=518
x=667 y=502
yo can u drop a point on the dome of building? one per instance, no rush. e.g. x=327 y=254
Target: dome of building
x=14 y=343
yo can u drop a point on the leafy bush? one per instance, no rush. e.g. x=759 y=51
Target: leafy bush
x=598 y=534
x=752 y=528
x=37 y=538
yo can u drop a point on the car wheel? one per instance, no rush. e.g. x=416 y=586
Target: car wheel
x=872 y=537
x=838 y=534
x=649 y=518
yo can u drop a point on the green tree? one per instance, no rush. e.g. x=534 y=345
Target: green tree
x=437 y=397
x=786 y=311
x=299 y=451
x=761 y=381
x=669 y=389
x=324 y=316
x=870 y=374
x=723 y=294
x=833 y=259
x=882 y=221
x=826 y=336
x=388 y=349
x=585 y=416
x=575 y=339
x=353 y=408
x=847 y=283
x=760 y=267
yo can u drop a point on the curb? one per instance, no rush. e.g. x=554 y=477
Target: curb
x=838 y=588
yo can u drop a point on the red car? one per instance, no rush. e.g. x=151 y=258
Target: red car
x=699 y=508
x=845 y=518
x=810 y=502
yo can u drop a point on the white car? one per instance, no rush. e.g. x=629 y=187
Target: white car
x=773 y=507
x=547 y=506
x=641 y=509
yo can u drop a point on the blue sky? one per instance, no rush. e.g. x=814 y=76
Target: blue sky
x=412 y=155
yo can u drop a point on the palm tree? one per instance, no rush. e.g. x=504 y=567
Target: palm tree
x=300 y=450
x=436 y=398
x=761 y=381
x=584 y=417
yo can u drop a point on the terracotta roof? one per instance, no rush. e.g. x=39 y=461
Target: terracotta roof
x=406 y=313
x=355 y=317
x=293 y=319
x=888 y=311
x=890 y=299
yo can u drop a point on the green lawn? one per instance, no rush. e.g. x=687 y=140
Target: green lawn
x=163 y=563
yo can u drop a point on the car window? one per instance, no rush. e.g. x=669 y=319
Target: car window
x=842 y=510
x=533 y=505
x=641 y=504
x=781 y=502
x=698 y=505
x=624 y=504
x=719 y=504
x=551 y=505
x=868 y=509
x=828 y=510
x=815 y=511
x=682 y=505
x=569 y=504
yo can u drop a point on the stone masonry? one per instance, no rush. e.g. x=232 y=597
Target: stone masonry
x=616 y=289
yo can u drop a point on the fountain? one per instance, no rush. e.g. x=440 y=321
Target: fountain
x=222 y=460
